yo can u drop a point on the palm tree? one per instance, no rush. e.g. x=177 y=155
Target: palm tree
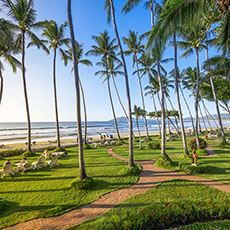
x=138 y=112
x=23 y=16
x=135 y=47
x=109 y=7
x=7 y=51
x=106 y=49
x=193 y=41
x=55 y=36
x=151 y=5
x=216 y=66
x=67 y=55
x=157 y=53
x=82 y=170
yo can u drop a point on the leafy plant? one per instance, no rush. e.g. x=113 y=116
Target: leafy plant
x=193 y=145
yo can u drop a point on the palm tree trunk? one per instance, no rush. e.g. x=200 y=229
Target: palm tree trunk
x=217 y=106
x=82 y=170
x=163 y=139
x=25 y=93
x=168 y=122
x=1 y=85
x=152 y=16
x=218 y=112
x=186 y=103
x=158 y=122
x=184 y=141
x=175 y=117
x=85 y=113
x=55 y=99
x=210 y=115
x=206 y=114
x=202 y=117
x=138 y=129
x=131 y=159
x=142 y=96
x=119 y=98
x=113 y=110
x=197 y=99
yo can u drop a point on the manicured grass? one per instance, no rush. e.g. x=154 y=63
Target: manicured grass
x=48 y=192
x=213 y=167
x=213 y=225
x=169 y=204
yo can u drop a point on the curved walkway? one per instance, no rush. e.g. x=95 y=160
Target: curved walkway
x=149 y=177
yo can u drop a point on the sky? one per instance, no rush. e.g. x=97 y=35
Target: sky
x=89 y=19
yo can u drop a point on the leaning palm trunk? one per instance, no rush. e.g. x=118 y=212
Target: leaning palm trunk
x=139 y=133
x=155 y=108
x=77 y=87
x=131 y=158
x=55 y=99
x=217 y=106
x=210 y=115
x=142 y=97
x=168 y=122
x=175 y=117
x=197 y=99
x=1 y=85
x=85 y=113
x=163 y=139
x=184 y=141
x=113 y=110
x=25 y=93
x=206 y=114
x=202 y=117
x=189 y=111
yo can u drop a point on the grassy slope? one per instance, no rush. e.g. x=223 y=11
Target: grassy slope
x=213 y=225
x=47 y=192
x=171 y=203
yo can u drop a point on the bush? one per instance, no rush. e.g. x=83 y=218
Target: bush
x=11 y=153
x=87 y=146
x=28 y=154
x=59 y=149
x=193 y=145
x=202 y=152
x=85 y=184
x=3 y=205
x=165 y=162
x=50 y=148
x=154 y=145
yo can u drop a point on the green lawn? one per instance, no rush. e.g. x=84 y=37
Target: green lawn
x=48 y=192
x=169 y=204
x=213 y=225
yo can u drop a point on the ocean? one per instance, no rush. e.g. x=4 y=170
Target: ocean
x=17 y=132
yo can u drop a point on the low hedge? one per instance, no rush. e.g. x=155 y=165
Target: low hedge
x=11 y=152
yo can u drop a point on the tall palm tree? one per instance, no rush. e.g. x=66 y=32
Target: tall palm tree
x=109 y=7
x=193 y=41
x=23 y=16
x=67 y=55
x=157 y=54
x=106 y=49
x=7 y=51
x=138 y=112
x=82 y=169
x=216 y=66
x=133 y=43
x=55 y=36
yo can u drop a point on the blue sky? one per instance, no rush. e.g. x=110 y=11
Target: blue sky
x=89 y=19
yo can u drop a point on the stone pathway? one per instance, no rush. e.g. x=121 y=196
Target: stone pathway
x=149 y=177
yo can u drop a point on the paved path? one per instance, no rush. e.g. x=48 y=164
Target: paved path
x=149 y=177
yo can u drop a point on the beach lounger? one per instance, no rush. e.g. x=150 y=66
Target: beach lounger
x=53 y=162
x=7 y=171
x=40 y=163
x=59 y=154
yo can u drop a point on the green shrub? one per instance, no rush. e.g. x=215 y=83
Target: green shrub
x=3 y=205
x=59 y=149
x=154 y=145
x=50 y=148
x=28 y=154
x=202 y=152
x=193 y=145
x=165 y=162
x=87 y=146
x=11 y=152
x=85 y=184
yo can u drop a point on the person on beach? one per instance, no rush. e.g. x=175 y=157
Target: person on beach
x=194 y=157
x=46 y=154
x=7 y=169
